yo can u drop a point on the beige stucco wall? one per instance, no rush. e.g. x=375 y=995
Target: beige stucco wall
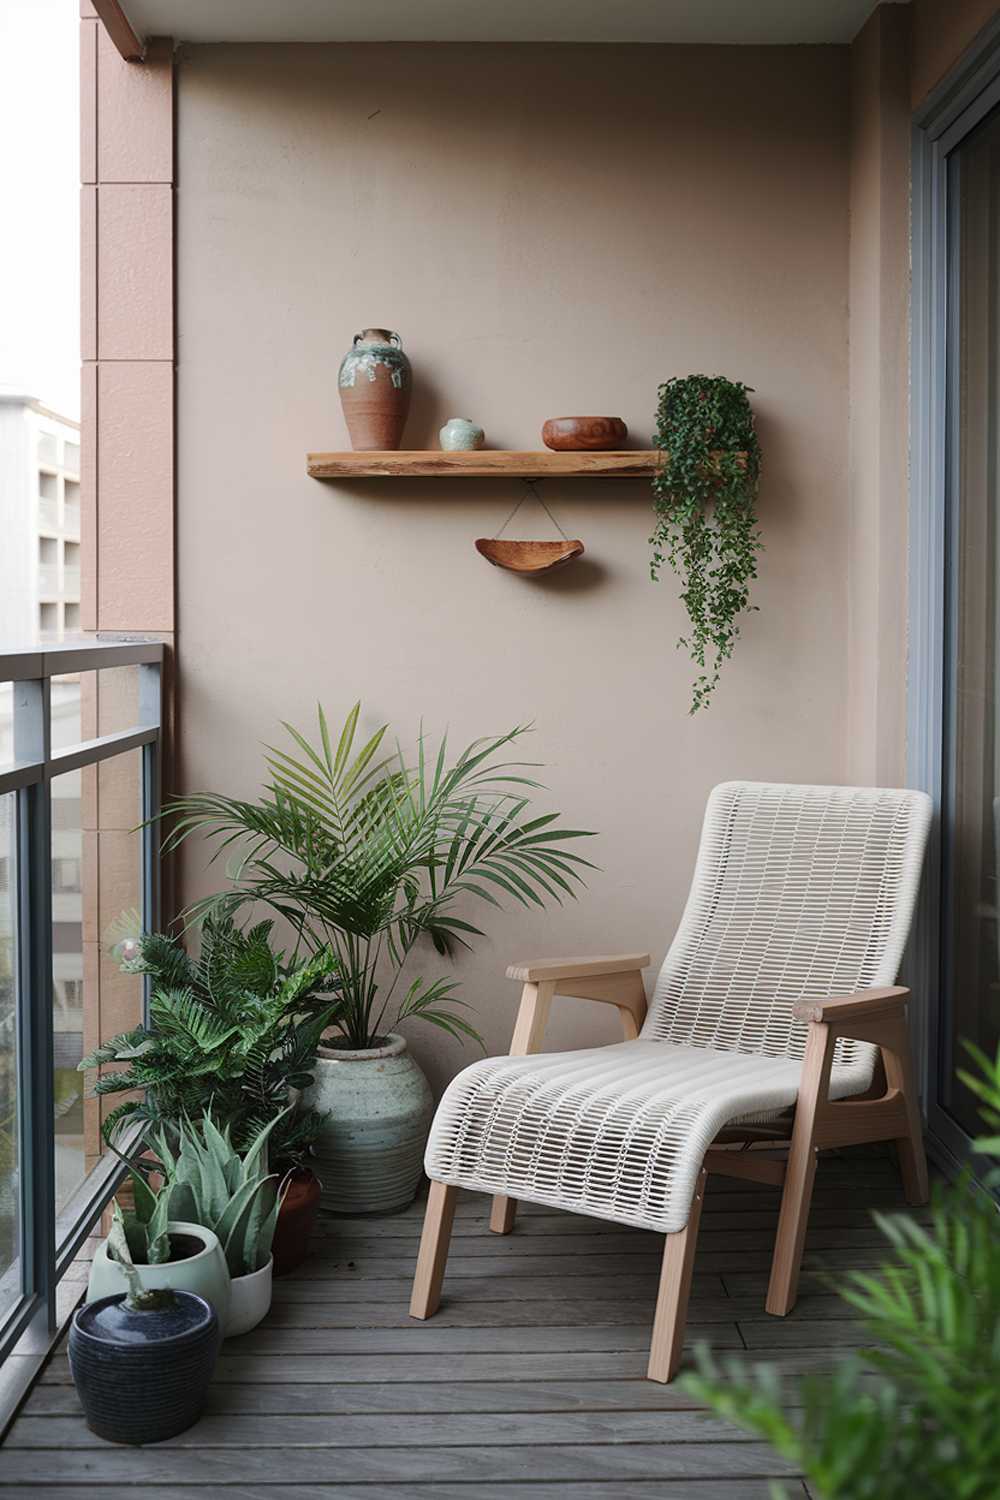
x=879 y=391
x=552 y=230
x=942 y=29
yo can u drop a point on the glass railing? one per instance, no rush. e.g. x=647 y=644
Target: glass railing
x=71 y=718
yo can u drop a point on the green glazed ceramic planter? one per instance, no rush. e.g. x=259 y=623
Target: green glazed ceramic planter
x=369 y=1157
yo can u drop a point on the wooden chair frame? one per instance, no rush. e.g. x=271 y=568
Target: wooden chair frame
x=817 y=1122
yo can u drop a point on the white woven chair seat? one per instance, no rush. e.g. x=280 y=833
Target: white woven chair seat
x=617 y=1132
x=799 y=892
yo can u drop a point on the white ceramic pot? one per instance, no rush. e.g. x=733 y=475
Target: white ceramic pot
x=249 y=1301
x=378 y=1106
x=205 y=1272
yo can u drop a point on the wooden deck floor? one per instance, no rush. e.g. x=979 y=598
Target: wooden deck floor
x=528 y=1383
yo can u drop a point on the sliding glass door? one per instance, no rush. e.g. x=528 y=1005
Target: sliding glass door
x=953 y=685
x=969 y=1002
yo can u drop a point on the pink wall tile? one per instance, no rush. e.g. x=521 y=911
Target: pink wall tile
x=135 y=115
x=135 y=436
x=134 y=271
x=88 y=497
x=88 y=273
x=88 y=101
x=87 y=11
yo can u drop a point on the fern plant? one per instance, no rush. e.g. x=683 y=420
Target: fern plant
x=705 y=502
x=232 y=1030
x=916 y=1415
x=363 y=855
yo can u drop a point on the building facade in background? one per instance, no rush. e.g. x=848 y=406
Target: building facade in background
x=39 y=522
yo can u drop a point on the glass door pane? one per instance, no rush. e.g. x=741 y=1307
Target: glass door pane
x=971 y=947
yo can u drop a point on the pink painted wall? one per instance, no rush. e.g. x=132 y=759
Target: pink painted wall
x=551 y=229
x=127 y=489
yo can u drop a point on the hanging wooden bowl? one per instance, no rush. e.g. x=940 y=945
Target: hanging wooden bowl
x=528 y=557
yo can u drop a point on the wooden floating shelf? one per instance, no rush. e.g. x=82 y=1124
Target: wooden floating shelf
x=485 y=463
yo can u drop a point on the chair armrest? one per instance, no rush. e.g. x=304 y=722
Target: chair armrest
x=889 y=1000
x=537 y=971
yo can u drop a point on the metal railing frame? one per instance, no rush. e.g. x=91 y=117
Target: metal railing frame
x=49 y=1243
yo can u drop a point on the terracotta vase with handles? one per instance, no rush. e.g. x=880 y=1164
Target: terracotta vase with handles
x=374 y=383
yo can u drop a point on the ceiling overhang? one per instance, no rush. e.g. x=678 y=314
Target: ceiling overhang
x=708 y=22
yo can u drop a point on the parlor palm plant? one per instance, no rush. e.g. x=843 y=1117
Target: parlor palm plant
x=364 y=854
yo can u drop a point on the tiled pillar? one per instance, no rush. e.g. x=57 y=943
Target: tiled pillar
x=127 y=441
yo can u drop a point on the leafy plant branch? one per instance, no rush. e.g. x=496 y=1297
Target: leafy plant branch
x=364 y=853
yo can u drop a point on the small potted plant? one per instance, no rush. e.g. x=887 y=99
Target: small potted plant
x=234 y=1197
x=142 y=1359
x=163 y=1236
x=234 y=1029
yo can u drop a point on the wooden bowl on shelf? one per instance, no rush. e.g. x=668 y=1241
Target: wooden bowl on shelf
x=584 y=434
x=528 y=557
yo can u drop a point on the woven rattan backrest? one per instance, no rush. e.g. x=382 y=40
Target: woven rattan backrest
x=798 y=891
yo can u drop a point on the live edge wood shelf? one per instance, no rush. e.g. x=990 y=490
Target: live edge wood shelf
x=485 y=463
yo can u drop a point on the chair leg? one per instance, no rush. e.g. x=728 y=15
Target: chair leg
x=910 y=1147
x=503 y=1214
x=800 y=1174
x=433 y=1253
x=675 y=1289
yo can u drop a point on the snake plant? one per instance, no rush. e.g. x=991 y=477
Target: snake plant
x=206 y=1181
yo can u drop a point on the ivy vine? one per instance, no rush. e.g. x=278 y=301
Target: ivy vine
x=705 y=501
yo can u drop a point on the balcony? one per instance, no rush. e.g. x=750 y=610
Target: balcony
x=48 y=515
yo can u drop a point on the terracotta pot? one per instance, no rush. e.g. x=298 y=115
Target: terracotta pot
x=374 y=384
x=584 y=434
x=296 y=1221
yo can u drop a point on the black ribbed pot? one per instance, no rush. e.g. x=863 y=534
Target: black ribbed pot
x=142 y=1375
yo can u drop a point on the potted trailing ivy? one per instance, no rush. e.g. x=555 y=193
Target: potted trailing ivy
x=705 y=502
x=365 y=855
x=142 y=1359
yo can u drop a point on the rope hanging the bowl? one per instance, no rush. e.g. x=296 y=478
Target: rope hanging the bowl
x=531 y=485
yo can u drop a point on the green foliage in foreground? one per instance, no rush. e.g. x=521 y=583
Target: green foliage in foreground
x=918 y=1417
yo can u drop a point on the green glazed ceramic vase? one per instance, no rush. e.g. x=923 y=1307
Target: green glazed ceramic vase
x=378 y=1106
x=374 y=384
